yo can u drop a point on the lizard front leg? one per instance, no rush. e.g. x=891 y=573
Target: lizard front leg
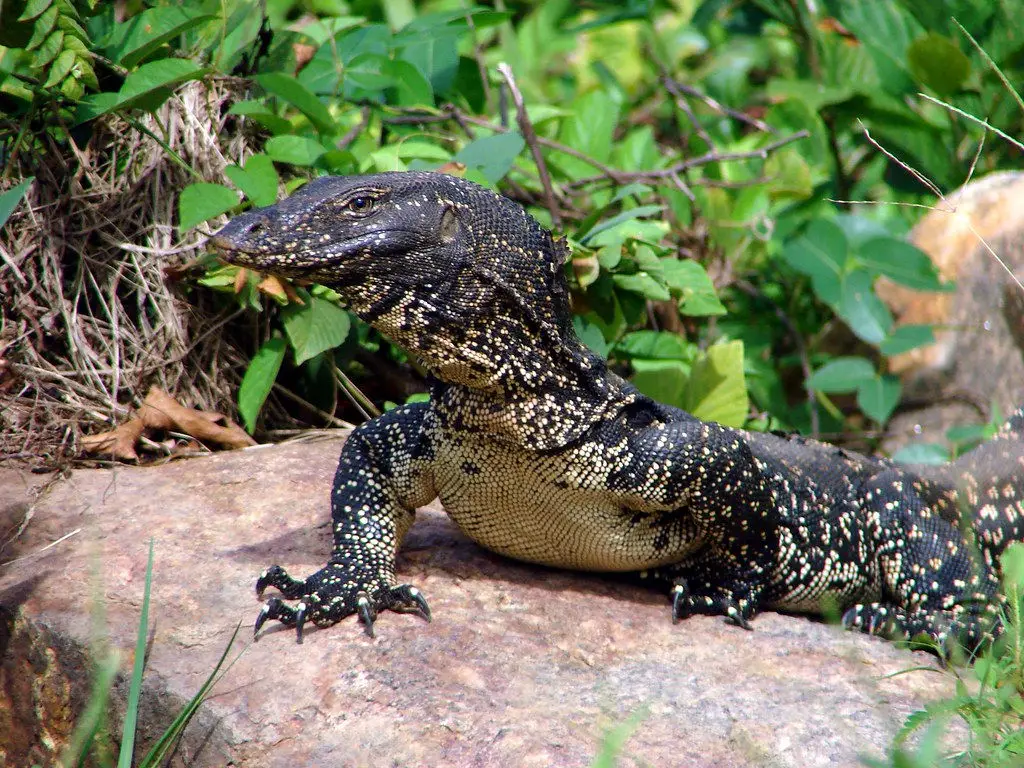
x=714 y=479
x=382 y=476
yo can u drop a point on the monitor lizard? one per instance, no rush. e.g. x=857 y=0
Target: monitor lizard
x=538 y=451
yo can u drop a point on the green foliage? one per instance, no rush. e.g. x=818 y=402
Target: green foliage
x=673 y=192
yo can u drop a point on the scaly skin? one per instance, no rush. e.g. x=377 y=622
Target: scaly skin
x=539 y=452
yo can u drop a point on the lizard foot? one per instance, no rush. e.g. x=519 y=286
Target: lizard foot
x=943 y=629
x=335 y=591
x=738 y=604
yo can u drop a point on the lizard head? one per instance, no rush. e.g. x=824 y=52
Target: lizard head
x=439 y=264
x=414 y=230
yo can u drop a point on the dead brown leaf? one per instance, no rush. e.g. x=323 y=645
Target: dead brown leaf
x=161 y=411
x=119 y=443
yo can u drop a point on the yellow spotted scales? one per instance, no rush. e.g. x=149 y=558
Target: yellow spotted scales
x=541 y=453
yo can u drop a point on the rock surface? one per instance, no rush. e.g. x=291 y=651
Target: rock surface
x=521 y=666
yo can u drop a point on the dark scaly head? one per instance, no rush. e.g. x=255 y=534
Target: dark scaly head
x=459 y=275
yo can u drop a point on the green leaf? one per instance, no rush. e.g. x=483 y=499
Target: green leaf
x=150 y=79
x=658 y=345
x=821 y=253
x=135 y=39
x=317 y=326
x=937 y=62
x=922 y=453
x=131 y=715
x=1012 y=566
x=841 y=375
x=260 y=112
x=60 y=68
x=878 y=397
x=590 y=334
x=688 y=278
x=9 y=200
x=905 y=338
x=790 y=175
x=295 y=150
x=258 y=180
x=492 y=155
x=662 y=380
x=643 y=284
x=901 y=262
x=860 y=229
x=290 y=90
x=202 y=201
x=620 y=218
x=258 y=380
x=412 y=89
x=862 y=310
x=717 y=390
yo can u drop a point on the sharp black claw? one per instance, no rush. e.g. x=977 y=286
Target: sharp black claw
x=260 y=621
x=734 y=613
x=365 y=614
x=300 y=619
x=421 y=603
x=679 y=594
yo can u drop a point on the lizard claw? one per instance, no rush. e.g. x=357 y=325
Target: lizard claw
x=335 y=591
x=719 y=601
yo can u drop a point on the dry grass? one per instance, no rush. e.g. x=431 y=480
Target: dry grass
x=89 y=319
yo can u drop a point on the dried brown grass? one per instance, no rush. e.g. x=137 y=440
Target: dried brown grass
x=88 y=319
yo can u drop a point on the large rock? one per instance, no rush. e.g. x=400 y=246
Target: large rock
x=975 y=238
x=522 y=666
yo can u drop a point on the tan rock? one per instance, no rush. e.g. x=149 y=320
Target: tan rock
x=975 y=238
x=522 y=666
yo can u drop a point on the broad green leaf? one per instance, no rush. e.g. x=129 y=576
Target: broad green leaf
x=590 y=130
x=922 y=453
x=901 y=262
x=202 y=201
x=258 y=180
x=620 y=218
x=10 y=199
x=412 y=89
x=425 y=150
x=662 y=380
x=657 y=345
x=131 y=41
x=790 y=175
x=862 y=310
x=150 y=79
x=295 y=150
x=937 y=62
x=717 y=390
x=60 y=68
x=878 y=397
x=821 y=253
x=259 y=379
x=697 y=296
x=905 y=338
x=643 y=284
x=287 y=88
x=315 y=327
x=492 y=156
x=260 y=112
x=590 y=334
x=841 y=375
x=33 y=8
x=886 y=30
x=860 y=229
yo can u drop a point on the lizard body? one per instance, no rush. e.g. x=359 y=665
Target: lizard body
x=540 y=452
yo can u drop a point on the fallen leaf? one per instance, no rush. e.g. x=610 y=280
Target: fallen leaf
x=161 y=411
x=119 y=443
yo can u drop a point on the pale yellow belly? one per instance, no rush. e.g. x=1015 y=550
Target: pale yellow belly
x=555 y=510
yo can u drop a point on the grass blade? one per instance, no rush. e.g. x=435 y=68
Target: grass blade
x=131 y=715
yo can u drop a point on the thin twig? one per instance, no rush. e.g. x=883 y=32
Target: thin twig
x=530 y=137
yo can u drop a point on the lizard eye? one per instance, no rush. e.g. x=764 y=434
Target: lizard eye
x=360 y=204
